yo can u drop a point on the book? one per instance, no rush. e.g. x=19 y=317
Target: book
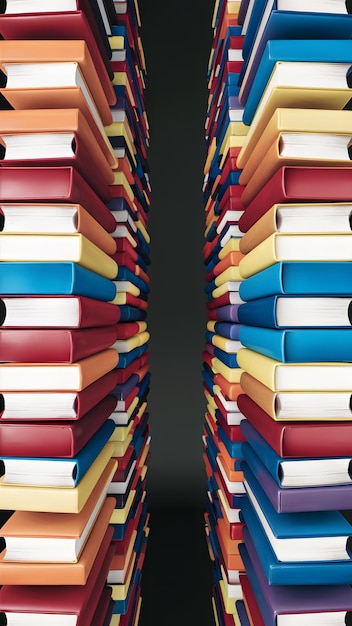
x=51 y=218
x=250 y=601
x=293 y=499
x=61 y=439
x=62 y=405
x=73 y=605
x=278 y=604
x=291 y=311
x=19 y=62
x=53 y=184
x=57 y=312
x=61 y=247
x=290 y=572
x=310 y=51
x=295 y=247
x=59 y=500
x=298 y=218
x=57 y=376
x=51 y=537
x=54 y=345
x=277 y=23
x=76 y=573
x=298 y=405
x=298 y=184
x=58 y=137
x=311 y=439
x=76 y=24
x=298 y=345
x=280 y=376
x=304 y=536
x=298 y=279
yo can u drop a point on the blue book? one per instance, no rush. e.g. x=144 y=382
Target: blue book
x=299 y=345
x=60 y=471
x=42 y=278
x=126 y=358
x=301 y=536
x=297 y=602
x=228 y=359
x=314 y=51
x=125 y=274
x=299 y=278
x=234 y=448
x=296 y=471
x=293 y=500
x=226 y=329
x=131 y=313
x=291 y=572
x=281 y=24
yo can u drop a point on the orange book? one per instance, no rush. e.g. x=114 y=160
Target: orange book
x=16 y=573
x=227 y=464
x=45 y=51
x=228 y=389
x=55 y=218
x=32 y=137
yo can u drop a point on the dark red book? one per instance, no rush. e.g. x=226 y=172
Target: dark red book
x=61 y=345
x=139 y=366
x=79 y=24
x=55 y=405
x=250 y=601
x=230 y=297
x=299 y=184
x=34 y=311
x=53 y=438
x=79 y=600
x=126 y=260
x=104 y=609
x=53 y=184
x=127 y=298
x=299 y=438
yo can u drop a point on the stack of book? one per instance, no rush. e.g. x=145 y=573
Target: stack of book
x=222 y=438
x=66 y=418
x=129 y=205
x=295 y=325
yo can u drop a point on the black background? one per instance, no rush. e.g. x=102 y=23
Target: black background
x=176 y=579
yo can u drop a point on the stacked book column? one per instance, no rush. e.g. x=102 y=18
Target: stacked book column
x=73 y=451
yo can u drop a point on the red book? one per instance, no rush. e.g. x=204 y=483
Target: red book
x=78 y=24
x=78 y=600
x=123 y=245
x=250 y=601
x=231 y=259
x=104 y=609
x=53 y=439
x=54 y=345
x=139 y=366
x=230 y=297
x=125 y=259
x=53 y=184
x=299 y=184
x=124 y=297
x=299 y=438
x=56 y=405
x=127 y=329
x=57 y=311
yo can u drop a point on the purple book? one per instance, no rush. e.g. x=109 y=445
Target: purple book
x=227 y=313
x=275 y=601
x=299 y=499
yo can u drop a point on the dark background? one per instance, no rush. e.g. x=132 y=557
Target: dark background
x=176 y=579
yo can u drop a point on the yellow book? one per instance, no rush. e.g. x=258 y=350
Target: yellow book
x=230 y=602
x=233 y=245
x=121 y=78
x=126 y=286
x=119 y=516
x=296 y=247
x=47 y=247
x=215 y=612
x=230 y=274
x=227 y=345
x=121 y=432
x=320 y=121
x=210 y=155
x=126 y=345
x=232 y=285
x=232 y=374
x=59 y=499
x=279 y=376
x=234 y=141
x=120 y=179
x=117 y=42
x=120 y=447
x=143 y=230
